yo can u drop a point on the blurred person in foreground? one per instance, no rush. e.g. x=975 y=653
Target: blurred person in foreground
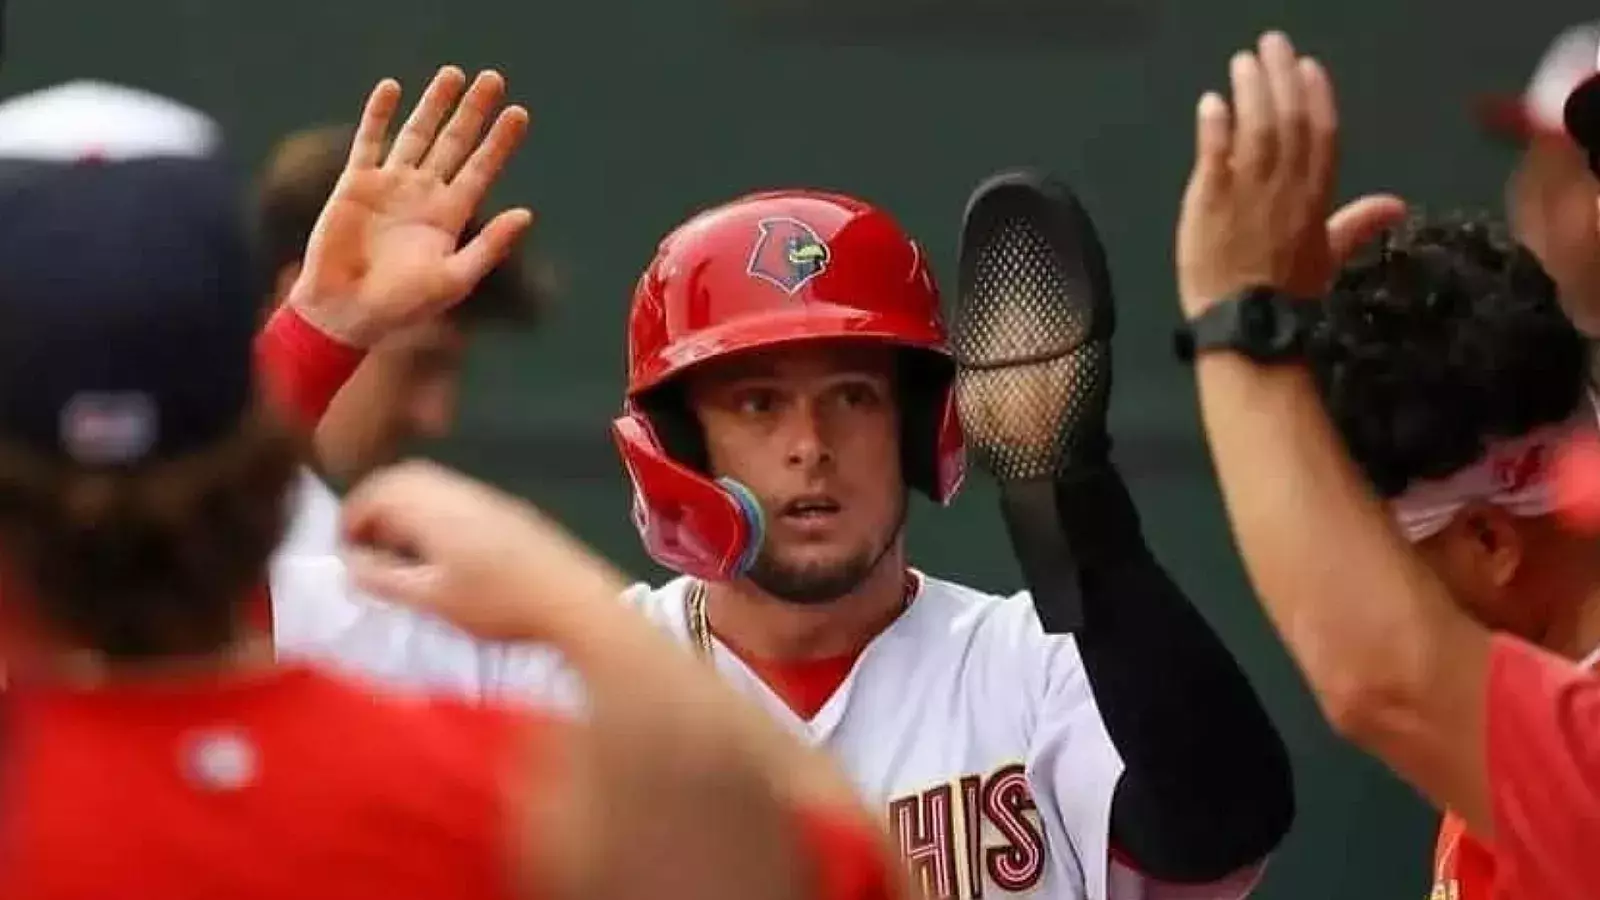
x=155 y=749
x=1504 y=733
x=1456 y=383
x=1549 y=196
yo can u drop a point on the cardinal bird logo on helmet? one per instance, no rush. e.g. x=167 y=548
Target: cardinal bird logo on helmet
x=788 y=253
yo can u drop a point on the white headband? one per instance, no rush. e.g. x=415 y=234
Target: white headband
x=1515 y=475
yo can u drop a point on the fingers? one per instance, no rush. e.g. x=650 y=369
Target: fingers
x=460 y=135
x=484 y=165
x=373 y=510
x=1360 y=221
x=1255 y=138
x=1213 y=137
x=366 y=150
x=392 y=577
x=416 y=136
x=1322 y=124
x=492 y=244
x=1279 y=67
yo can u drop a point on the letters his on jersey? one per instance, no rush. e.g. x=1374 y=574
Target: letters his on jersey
x=981 y=830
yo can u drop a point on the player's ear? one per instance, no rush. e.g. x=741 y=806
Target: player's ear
x=1496 y=542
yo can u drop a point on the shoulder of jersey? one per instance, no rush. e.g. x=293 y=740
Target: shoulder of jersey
x=963 y=603
x=652 y=598
x=948 y=595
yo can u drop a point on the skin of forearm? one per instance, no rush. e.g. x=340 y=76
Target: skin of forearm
x=1372 y=629
x=639 y=679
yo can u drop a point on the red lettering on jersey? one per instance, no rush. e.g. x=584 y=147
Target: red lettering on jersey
x=1018 y=864
x=1001 y=804
x=922 y=826
x=972 y=825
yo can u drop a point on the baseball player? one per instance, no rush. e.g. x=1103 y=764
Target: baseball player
x=1468 y=472
x=1392 y=637
x=305 y=365
x=153 y=749
x=406 y=387
x=788 y=382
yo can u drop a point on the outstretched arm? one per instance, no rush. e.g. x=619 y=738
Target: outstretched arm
x=1206 y=788
x=1396 y=667
x=386 y=252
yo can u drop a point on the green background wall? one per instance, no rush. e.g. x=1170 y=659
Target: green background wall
x=646 y=109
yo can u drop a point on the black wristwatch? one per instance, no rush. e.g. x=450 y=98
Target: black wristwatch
x=1261 y=323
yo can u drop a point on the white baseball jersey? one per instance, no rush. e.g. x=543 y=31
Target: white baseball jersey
x=973 y=731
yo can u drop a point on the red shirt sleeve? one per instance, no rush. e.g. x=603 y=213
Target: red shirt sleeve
x=848 y=855
x=301 y=367
x=1544 y=772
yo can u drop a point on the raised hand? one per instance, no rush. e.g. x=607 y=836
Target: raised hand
x=386 y=251
x=1256 y=208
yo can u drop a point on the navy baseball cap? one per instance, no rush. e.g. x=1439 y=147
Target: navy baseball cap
x=129 y=295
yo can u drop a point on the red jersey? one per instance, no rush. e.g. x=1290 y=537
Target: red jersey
x=1544 y=782
x=286 y=783
x=1463 y=866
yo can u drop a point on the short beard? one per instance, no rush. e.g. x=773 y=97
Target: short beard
x=814 y=585
x=811 y=585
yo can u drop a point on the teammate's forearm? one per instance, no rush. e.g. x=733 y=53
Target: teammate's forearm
x=1206 y=788
x=614 y=650
x=1372 y=629
x=711 y=745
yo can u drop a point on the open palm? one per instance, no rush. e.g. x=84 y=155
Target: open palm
x=386 y=251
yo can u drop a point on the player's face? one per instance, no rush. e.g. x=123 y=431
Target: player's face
x=814 y=432
x=1550 y=201
x=404 y=390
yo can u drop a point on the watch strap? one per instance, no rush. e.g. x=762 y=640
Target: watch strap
x=1260 y=322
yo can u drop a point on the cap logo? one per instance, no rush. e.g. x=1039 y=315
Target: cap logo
x=1518 y=471
x=788 y=253
x=101 y=429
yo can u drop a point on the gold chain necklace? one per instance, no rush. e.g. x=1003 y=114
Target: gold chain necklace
x=700 y=621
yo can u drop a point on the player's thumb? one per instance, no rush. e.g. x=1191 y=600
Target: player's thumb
x=394 y=577
x=488 y=248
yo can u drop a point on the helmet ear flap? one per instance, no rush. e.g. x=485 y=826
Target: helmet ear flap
x=688 y=522
x=674 y=425
x=932 y=445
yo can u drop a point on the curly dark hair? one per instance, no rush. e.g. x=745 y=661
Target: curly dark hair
x=1441 y=338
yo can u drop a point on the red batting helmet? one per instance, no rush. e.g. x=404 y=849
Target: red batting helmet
x=765 y=270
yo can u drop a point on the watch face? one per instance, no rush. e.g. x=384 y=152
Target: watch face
x=1258 y=319
x=1260 y=322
